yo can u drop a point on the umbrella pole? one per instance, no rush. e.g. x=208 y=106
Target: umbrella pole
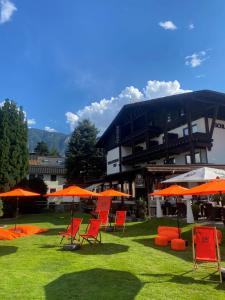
x=17 y=211
x=72 y=213
x=178 y=223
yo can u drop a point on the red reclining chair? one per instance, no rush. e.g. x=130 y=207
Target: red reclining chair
x=92 y=232
x=120 y=219
x=72 y=230
x=205 y=246
x=104 y=217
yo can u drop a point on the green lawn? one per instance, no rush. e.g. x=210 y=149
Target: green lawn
x=125 y=266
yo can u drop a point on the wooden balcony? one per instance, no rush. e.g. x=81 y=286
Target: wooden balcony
x=179 y=145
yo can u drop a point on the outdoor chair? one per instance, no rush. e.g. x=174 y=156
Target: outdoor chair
x=72 y=230
x=120 y=219
x=92 y=232
x=104 y=217
x=206 y=247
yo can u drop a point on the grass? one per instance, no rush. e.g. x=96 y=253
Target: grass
x=125 y=266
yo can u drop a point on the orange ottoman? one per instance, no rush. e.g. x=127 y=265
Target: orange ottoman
x=161 y=240
x=178 y=244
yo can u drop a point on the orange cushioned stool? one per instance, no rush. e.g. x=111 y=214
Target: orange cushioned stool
x=178 y=244
x=161 y=240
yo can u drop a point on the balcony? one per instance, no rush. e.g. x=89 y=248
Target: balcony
x=175 y=146
x=140 y=135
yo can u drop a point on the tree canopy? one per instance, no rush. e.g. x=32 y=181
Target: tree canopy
x=41 y=149
x=83 y=160
x=13 y=145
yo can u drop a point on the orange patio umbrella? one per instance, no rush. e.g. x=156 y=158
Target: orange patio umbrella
x=18 y=193
x=113 y=193
x=173 y=190
x=216 y=186
x=72 y=191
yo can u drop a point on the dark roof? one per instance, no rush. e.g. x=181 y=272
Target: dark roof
x=54 y=170
x=206 y=96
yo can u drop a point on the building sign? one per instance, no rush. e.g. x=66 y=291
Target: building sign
x=220 y=125
x=139 y=181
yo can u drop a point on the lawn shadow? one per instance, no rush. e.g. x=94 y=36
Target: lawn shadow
x=184 y=279
x=6 y=250
x=147 y=227
x=102 y=249
x=94 y=284
x=48 y=246
x=185 y=255
x=53 y=231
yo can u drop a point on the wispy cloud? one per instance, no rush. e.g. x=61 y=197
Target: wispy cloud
x=49 y=129
x=196 y=59
x=31 y=122
x=200 y=76
x=7 y=8
x=191 y=26
x=102 y=112
x=168 y=25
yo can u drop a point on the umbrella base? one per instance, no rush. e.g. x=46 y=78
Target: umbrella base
x=71 y=247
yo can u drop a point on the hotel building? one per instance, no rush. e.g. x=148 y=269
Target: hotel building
x=151 y=140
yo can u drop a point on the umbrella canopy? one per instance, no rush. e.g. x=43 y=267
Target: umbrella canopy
x=216 y=186
x=198 y=175
x=173 y=190
x=113 y=193
x=19 y=193
x=74 y=191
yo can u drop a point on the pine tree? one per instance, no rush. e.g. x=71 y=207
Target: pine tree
x=83 y=160
x=13 y=145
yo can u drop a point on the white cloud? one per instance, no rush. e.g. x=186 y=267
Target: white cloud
x=168 y=25
x=196 y=59
x=102 y=112
x=71 y=119
x=191 y=26
x=7 y=8
x=49 y=129
x=31 y=122
x=157 y=89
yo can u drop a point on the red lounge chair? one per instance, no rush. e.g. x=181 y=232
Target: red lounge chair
x=205 y=246
x=104 y=217
x=92 y=231
x=72 y=230
x=120 y=219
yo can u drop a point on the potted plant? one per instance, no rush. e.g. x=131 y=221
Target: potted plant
x=141 y=209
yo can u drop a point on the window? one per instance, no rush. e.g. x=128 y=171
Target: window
x=170 y=161
x=52 y=190
x=188 y=159
x=182 y=112
x=194 y=128
x=197 y=158
x=186 y=131
x=41 y=176
x=53 y=177
x=31 y=176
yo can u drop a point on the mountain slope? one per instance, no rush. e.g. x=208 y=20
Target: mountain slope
x=54 y=140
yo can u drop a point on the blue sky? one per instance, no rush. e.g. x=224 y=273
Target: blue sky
x=68 y=60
